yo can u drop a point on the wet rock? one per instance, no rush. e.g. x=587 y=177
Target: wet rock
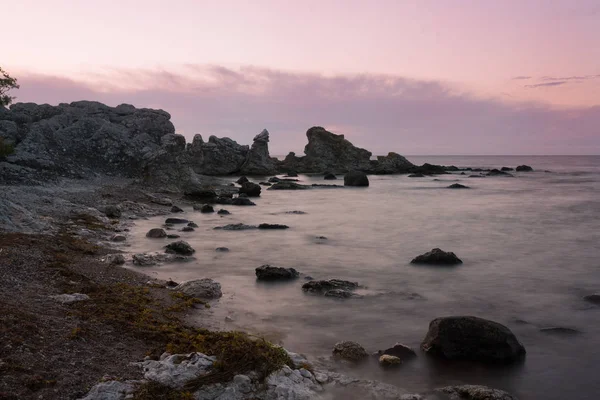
x=200 y=194
x=173 y=221
x=236 y=227
x=497 y=172
x=272 y=226
x=180 y=247
x=474 y=392
x=399 y=350
x=242 y=201
x=291 y=174
x=437 y=257
x=288 y=186
x=524 y=168
x=592 y=298
x=112 y=211
x=173 y=236
x=356 y=178
x=471 y=338
x=349 y=351
x=416 y=176
x=458 y=186
x=250 y=189
x=187 y=229
x=388 y=361
x=393 y=163
x=560 y=330
x=242 y=180
x=152 y=259
x=176 y=209
x=174 y=371
x=115 y=259
x=428 y=169
x=269 y=273
x=205 y=208
x=222 y=249
x=201 y=288
x=265 y=183
x=295 y=212
x=223 y=212
x=118 y=238
x=112 y=390
x=331 y=288
x=506 y=169
x=192 y=225
x=330 y=177
x=70 y=298
x=258 y=161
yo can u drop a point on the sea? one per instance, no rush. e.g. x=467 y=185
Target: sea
x=530 y=246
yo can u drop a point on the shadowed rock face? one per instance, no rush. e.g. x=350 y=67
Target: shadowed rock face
x=258 y=161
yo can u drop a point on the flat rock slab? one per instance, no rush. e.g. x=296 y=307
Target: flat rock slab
x=176 y=221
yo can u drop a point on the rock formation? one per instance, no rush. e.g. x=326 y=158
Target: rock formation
x=258 y=161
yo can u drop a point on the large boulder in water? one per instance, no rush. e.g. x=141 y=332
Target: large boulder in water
x=180 y=247
x=524 y=168
x=349 y=351
x=437 y=257
x=269 y=273
x=258 y=160
x=250 y=189
x=471 y=338
x=356 y=178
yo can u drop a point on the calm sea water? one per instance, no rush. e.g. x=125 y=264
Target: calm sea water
x=530 y=246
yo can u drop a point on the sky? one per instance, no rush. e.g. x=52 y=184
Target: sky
x=415 y=77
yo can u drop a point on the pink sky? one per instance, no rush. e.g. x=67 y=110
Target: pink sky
x=440 y=59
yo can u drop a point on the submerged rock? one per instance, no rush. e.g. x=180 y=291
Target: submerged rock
x=438 y=257
x=201 y=288
x=269 y=273
x=592 y=298
x=180 y=247
x=187 y=229
x=524 y=168
x=288 y=186
x=349 y=351
x=176 y=209
x=416 y=176
x=474 y=392
x=222 y=249
x=176 y=221
x=458 y=186
x=272 y=226
x=250 y=189
x=236 y=227
x=192 y=225
x=242 y=201
x=497 y=172
x=471 y=338
x=204 y=208
x=356 y=178
x=223 y=212
x=399 y=350
x=332 y=288
x=506 y=169
x=560 y=330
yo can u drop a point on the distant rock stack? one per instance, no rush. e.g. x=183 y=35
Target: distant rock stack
x=258 y=161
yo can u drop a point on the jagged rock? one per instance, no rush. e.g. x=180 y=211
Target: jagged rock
x=331 y=288
x=176 y=209
x=458 y=186
x=471 y=338
x=350 y=351
x=272 y=226
x=112 y=390
x=524 y=168
x=201 y=288
x=393 y=163
x=242 y=201
x=356 y=178
x=70 y=298
x=592 y=298
x=170 y=221
x=438 y=257
x=236 y=227
x=269 y=273
x=250 y=189
x=176 y=370
x=474 y=392
x=428 y=169
x=180 y=247
x=330 y=177
x=242 y=180
x=218 y=156
x=223 y=212
x=112 y=211
x=288 y=186
x=258 y=161
x=387 y=361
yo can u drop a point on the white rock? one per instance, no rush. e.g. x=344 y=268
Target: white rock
x=113 y=390
x=176 y=370
x=70 y=298
x=201 y=288
x=288 y=384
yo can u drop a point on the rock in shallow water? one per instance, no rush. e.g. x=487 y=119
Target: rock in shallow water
x=156 y=233
x=458 y=186
x=176 y=370
x=201 y=288
x=242 y=201
x=399 y=350
x=332 y=288
x=236 y=227
x=223 y=212
x=170 y=221
x=592 y=298
x=350 y=351
x=356 y=178
x=272 y=226
x=524 y=168
x=269 y=273
x=471 y=338
x=438 y=257
x=180 y=247
x=250 y=189
x=176 y=209
x=387 y=361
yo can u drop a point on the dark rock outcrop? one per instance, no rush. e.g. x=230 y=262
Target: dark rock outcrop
x=356 y=178
x=391 y=164
x=506 y=169
x=438 y=257
x=524 y=168
x=242 y=180
x=471 y=338
x=269 y=273
x=112 y=211
x=250 y=189
x=458 y=186
x=258 y=161
x=272 y=226
x=399 y=350
x=176 y=221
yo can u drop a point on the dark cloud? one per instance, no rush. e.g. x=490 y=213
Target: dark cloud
x=378 y=112
x=522 y=77
x=547 y=84
x=569 y=78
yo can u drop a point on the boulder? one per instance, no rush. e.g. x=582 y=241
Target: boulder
x=250 y=189
x=473 y=392
x=458 y=186
x=174 y=371
x=180 y=247
x=437 y=257
x=388 y=361
x=269 y=273
x=173 y=236
x=176 y=209
x=524 y=168
x=222 y=249
x=172 y=221
x=205 y=208
x=258 y=161
x=112 y=211
x=331 y=288
x=115 y=259
x=592 y=298
x=393 y=163
x=192 y=225
x=428 y=169
x=349 y=351
x=187 y=229
x=506 y=169
x=471 y=338
x=330 y=177
x=356 y=178
x=151 y=259
x=272 y=226
x=399 y=350
x=223 y=212
x=201 y=288
x=242 y=180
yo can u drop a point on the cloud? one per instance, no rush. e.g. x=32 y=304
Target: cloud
x=522 y=77
x=548 y=84
x=379 y=112
x=569 y=78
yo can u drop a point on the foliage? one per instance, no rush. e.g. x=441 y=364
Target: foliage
x=6 y=84
x=6 y=149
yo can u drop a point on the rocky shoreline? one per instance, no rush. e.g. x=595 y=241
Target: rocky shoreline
x=76 y=179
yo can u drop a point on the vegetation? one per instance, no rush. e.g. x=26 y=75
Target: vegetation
x=6 y=149
x=7 y=83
